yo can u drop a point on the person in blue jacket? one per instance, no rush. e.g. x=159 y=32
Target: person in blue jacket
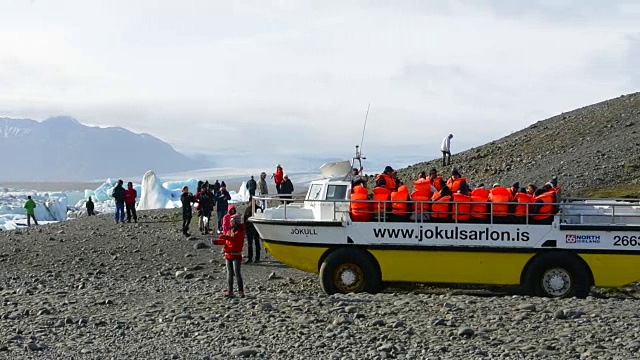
x=222 y=197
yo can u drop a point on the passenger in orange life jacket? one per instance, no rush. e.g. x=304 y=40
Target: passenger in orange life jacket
x=437 y=182
x=524 y=205
x=457 y=184
x=441 y=205
x=398 y=182
x=515 y=188
x=385 y=180
x=542 y=212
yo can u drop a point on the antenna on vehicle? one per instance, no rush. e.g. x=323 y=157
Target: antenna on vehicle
x=363 y=129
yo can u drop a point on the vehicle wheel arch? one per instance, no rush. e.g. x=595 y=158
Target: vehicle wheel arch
x=544 y=254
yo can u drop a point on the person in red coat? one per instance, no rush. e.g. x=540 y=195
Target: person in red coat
x=233 y=241
x=278 y=178
x=130 y=196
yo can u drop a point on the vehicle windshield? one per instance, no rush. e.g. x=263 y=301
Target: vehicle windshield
x=337 y=192
x=314 y=192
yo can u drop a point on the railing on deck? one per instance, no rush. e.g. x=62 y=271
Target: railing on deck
x=570 y=211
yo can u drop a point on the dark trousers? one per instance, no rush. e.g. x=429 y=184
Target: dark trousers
x=233 y=267
x=252 y=193
x=446 y=155
x=186 y=219
x=279 y=188
x=220 y=216
x=119 y=212
x=90 y=212
x=131 y=212
x=29 y=217
x=253 y=239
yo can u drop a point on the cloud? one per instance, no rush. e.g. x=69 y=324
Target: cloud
x=297 y=76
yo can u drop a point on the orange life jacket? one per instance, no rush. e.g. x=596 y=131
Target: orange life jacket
x=361 y=211
x=379 y=196
x=422 y=185
x=461 y=207
x=441 y=206
x=422 y=199
x=389 y=183
x=399 y=201
x=437 y=182
x=500 y=197
x=481 y=197
x=454 y=185
x=546 y=210
x=525 y=204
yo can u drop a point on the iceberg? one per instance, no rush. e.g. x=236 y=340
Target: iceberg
x=155 y=196
x=50 y=207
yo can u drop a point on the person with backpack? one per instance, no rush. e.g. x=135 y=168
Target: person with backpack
x=222 y=198
x=206 y=201
x=118 y=196
x=233 y=241
x=130 y=196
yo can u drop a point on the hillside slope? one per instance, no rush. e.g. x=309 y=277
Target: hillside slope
x=594 y=147
x=62 y=149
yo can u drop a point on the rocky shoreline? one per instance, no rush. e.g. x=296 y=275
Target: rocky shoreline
x=88 y=288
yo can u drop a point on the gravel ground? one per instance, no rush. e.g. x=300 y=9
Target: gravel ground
x=89 y=288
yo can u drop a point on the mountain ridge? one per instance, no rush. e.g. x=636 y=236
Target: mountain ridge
x=592 y=147
x=61 y=148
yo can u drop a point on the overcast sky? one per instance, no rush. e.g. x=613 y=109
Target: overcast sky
x=296 y=76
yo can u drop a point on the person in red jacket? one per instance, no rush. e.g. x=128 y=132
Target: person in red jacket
x=130 y=196
x=233 y=242
x=278 y=178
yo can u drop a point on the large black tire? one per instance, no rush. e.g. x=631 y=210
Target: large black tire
x=558 y=275
x=350 y=270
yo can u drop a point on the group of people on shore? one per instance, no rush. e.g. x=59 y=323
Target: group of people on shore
x=124 y=198
x=232 y=227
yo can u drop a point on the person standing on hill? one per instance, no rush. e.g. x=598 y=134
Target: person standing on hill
x=90 y=206
x=263 y=188
x=446 y=150
x=186 y=198
x=30 y=206
x=251 y=187
x=286 y=188
x=118 y=195
x=130 y=196
x=278 y=178
x=222 y=198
